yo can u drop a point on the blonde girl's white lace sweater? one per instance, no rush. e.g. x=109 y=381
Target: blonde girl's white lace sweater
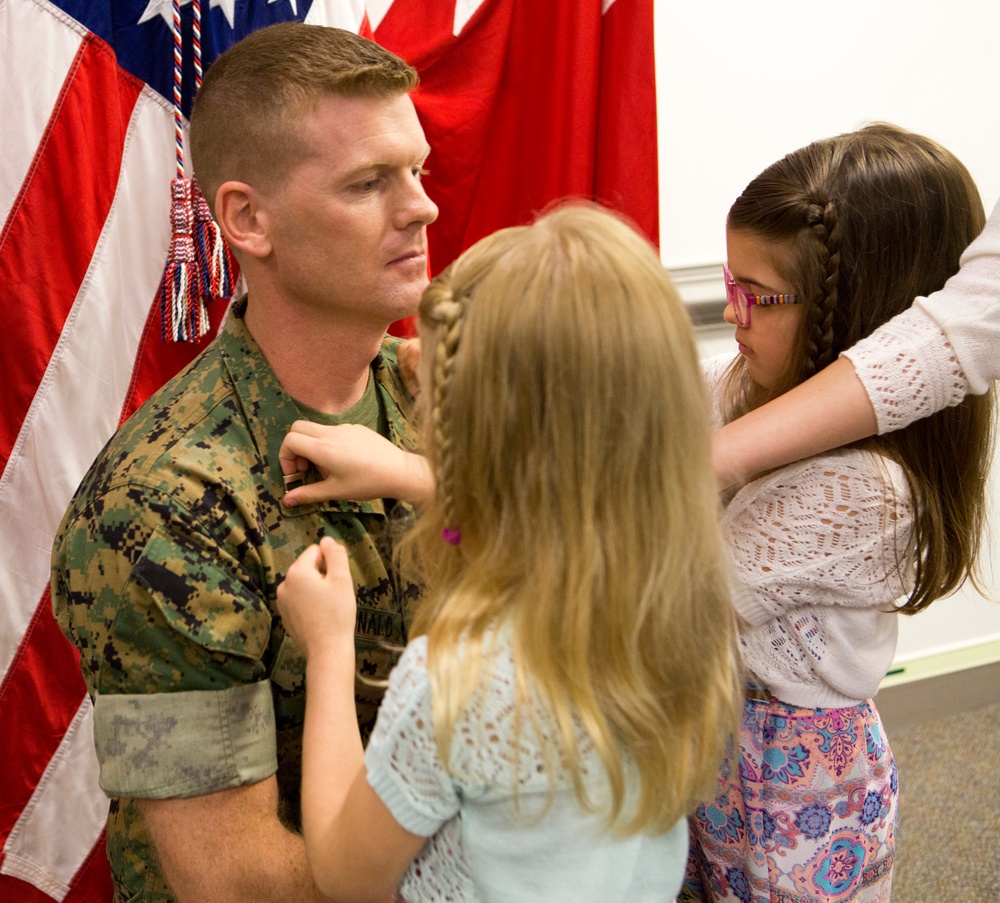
x=943 y=347
x=817 y=547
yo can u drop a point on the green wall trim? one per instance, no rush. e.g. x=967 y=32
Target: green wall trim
x=971 y=656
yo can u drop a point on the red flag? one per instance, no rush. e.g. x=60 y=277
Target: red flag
x=523 y=102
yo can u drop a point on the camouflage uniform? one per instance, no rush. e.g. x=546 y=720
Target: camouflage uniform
x=164 y=576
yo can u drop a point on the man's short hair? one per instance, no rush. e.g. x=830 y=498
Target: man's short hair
x=243 y=124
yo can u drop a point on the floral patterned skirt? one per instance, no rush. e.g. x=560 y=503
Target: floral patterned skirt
x=808 y=816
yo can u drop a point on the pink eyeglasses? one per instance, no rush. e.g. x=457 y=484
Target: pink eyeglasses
x=742 y=300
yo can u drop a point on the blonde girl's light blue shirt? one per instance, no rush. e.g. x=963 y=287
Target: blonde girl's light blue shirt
x=483 y=844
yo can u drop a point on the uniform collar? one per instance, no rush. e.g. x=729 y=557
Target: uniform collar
x=270 y=410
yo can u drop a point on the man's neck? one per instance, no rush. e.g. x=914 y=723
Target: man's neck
x=321 y=362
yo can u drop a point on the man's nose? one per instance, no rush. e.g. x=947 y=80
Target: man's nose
x=418 y=207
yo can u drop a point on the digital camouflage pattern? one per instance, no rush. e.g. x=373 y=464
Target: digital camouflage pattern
x=164 y=576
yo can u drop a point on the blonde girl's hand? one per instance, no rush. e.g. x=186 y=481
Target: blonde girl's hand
x=316 y=600
x=354 y=462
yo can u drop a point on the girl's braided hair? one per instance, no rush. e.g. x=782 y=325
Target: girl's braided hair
x=445 y=312
x=821 y=217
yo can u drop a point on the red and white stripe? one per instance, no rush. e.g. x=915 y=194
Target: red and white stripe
x=84 y=200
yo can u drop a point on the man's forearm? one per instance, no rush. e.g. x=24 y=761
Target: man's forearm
x=230 y=846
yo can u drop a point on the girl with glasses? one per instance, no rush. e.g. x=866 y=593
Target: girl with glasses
x=832 y=550
x=929 y=357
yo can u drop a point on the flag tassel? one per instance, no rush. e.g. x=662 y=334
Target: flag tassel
x=182 y=307
x=214 y=258
x=199 y=265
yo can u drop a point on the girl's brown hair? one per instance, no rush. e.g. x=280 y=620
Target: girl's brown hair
x=566 y=422
x=862 y=224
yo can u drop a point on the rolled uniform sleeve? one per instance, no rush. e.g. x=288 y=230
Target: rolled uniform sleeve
x=173 y=639
x=184 y=744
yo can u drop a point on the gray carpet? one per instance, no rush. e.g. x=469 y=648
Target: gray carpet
x=949 y=808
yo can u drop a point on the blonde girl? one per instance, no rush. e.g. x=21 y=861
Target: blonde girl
x=571 y=675
x=824 y=247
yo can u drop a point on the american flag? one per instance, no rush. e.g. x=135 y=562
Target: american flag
x=522 y=102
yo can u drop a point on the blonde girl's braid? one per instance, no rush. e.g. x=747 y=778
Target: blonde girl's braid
x=821 y=217
x=448 y=318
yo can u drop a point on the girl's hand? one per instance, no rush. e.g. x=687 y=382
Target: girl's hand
x=408 y=362
x=316 y=600
x=354 y=463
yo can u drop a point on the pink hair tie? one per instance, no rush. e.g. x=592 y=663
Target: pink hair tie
x=454 y=537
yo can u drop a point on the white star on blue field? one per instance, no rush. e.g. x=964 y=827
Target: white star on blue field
x=139 y=32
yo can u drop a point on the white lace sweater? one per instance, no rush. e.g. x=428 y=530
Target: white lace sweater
x=943 y=347
x=479 y=846
x=815 y=548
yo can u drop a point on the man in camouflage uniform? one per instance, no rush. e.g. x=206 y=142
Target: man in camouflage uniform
x=166 y=564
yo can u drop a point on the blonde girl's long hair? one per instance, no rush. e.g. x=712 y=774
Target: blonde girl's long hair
x=866 y=222
x=566 y=421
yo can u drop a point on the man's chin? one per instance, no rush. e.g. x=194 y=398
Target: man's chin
x=409 y=299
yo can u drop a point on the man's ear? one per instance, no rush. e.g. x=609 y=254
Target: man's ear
x=239 y=215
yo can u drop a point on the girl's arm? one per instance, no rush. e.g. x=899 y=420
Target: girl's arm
x=967 y=309
x=355 y=848
x=354 y=463
x=829 y=410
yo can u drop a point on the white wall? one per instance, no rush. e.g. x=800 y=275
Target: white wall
x=741 y=84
